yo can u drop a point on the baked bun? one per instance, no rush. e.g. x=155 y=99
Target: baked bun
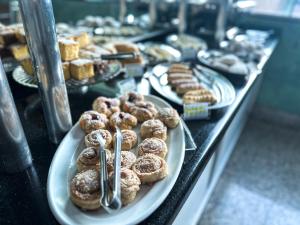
x=124 y=121
x=106 y=106
x=129 y=139
x=143 y=111
x=169 y=117
x=91 y=139
x=154 y=146
x=127 y=160
x=92 y=120
x=153 y=128
x=128 y=100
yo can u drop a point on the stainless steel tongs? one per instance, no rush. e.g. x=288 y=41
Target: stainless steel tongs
x=110 y=199
x=120 y=56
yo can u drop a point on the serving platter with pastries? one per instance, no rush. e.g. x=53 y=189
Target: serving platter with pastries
x=183 y=83
x=150 y=155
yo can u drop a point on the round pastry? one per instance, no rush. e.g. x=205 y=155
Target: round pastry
x=143 y=111
x=128 y=100
x=85 y=190
x=150 y=168
x=169 y=117
x=130 y=185
x=92 y=141
x=153 y=128
x=127 y=160
x=124 y=121
x=89 y=159
x=106 y=106
x=92 y=120
x=129 y=139
x=154 y=146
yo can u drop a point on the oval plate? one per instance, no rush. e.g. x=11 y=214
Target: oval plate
x=113 y=70
x=63 y=168
x=215 y=82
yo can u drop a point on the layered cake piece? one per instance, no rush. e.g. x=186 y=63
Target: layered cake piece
x=19 y=51
x=26 y=64
x=81 y=69
x=66 y=70
x=82 y=38
x=69 y=49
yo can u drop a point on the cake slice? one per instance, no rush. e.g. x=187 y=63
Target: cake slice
x=82 y=38
x=66 y=70
x=19 y=51
x=26 y=64
x=81 y=69
x=69 y=49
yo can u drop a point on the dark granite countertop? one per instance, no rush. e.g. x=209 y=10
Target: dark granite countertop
x=23 y=195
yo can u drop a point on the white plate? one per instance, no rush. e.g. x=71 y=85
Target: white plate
x=63 y=168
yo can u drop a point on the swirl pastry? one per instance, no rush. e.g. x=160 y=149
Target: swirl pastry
x=124 y=121
x=127 y=160
x=153 y=128
x=143 y=111
x=130 y=185
x=128 y=100
x=92 y=120
x=106 y=106
x=85 y=190
x=154 y=146
x=150 y=168
x=129 y=139
x=89 y=159
x=92 y=141
x=169 y=117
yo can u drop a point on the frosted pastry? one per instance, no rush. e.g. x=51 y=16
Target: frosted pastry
x=124 y=121
x=91 y=139
x=85 y=190
x=89 y=159
x=154 y=146
x=143 y=110
x=169 y=117
x=81 y=69
x=127 y=160
x=153 y=128
x=92 y=120
x=129 y=139
x=69 y=49
x=82 y=38
x=129 y=99
x=107 y=106
x=150 y=168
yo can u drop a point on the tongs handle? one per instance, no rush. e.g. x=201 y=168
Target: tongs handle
x=120 y=56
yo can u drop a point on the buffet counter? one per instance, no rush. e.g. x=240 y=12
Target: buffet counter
x=23 y=194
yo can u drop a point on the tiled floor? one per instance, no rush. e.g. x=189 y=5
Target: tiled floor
x=261 y=183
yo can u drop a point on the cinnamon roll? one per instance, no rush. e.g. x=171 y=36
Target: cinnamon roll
x=92 y=120
x=153 y=128
x=150 y=168
x=129 y=139
x=85 y=190
x=153 y=145
x=124 y=121
x=107 y=106
x=127 y=160
x=169 y=117
x=92 y=141
x=143 y=111
x=128 y=100
x=130 y=185
x=89 y=159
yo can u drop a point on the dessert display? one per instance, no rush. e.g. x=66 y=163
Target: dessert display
x=143 y=150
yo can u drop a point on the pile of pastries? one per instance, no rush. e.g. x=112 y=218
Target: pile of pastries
x=184 y=41
x=143 y=146
x=181 y=78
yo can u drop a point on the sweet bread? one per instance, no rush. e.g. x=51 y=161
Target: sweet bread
x=108 y=106
x=154 y=146
x=85 y=190
x=143 y=111
x=128 y=100
x=183 y=88
x=202 y=95
x=27 y=66
x=82 y=38
x=175 y=83
x=124 y=121
x=66 y=70
x=169 y=117
x=150 y=168
x=130 y=185
x=127 y=160
x=19 y=51
x=153 y=128
x=69 y=49
x=179 y=66
x=82 y=69
x=129 y=139
x=176 y=76
x=92 y=120
x=91 y=139
x=89 y=159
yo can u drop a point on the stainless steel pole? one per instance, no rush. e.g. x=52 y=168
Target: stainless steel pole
x=14 y=151
x=182 y=16
x=39 y=24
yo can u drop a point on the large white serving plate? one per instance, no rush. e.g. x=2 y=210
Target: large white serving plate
x=63 y=168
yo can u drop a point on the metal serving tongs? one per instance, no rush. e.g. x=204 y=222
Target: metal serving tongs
x=120 y=56
x=110 y=202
